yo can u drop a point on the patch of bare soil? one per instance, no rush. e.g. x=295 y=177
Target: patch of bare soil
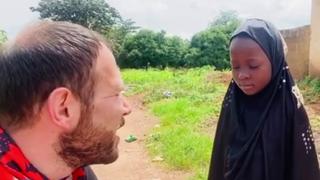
x=134 y=163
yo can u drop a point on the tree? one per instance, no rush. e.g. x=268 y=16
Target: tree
x=175 y=50
x=141 y=50
x=3 y=37
x=147 y=48
x=210 y=47
x=227 y=21
x=117 y=34
x=94 y=14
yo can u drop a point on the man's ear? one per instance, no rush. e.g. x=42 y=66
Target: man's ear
x=63 y=108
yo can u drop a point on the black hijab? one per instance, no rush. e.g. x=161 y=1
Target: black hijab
x=266 y=136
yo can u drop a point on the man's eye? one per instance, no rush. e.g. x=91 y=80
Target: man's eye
x=122 y=92
x=113 y=95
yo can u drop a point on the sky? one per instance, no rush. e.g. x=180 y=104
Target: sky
x=177 y=17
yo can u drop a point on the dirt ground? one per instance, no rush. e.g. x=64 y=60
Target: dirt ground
x=134 y=163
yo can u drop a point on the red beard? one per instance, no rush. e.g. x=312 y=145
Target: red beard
x=88 y=145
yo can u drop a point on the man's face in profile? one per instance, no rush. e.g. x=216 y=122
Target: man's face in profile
x=94 y=140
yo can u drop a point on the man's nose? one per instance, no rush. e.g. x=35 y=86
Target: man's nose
x=127 y=107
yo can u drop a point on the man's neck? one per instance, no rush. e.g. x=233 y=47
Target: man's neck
x=38 y=146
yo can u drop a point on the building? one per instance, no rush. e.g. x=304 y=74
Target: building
x=304 y=46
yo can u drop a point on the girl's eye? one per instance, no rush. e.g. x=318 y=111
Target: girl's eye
x=254 y=67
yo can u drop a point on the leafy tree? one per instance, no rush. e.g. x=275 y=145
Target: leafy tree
x=210 y=47
x=175 y=50
x=116 y=35
x=227 y=21
x=141 y=50
x=192 y=55
x=3 y=36
x=94 y=14
x=148 y=48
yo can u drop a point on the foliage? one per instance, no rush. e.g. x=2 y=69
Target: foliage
x=152 y=49
x=3 y=36
x=210 y=47
x=94 y=14
x=141 y=49
x=117 y=34
x=227 y=22
x=175 y=50
x=310 y=88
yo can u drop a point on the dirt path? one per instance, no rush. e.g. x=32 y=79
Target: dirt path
x=134 y=163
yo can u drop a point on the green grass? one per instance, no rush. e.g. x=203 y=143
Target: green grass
x=140 y=81
x=184 y=136
x=310 y=88
x=196 y=95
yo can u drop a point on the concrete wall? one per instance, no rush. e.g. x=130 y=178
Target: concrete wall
x=314 y=65
x=298 y=42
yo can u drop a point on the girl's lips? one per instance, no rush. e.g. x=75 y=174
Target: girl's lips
x=246 y=87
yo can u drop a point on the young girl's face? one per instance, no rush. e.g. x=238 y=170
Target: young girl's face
x=251 y=68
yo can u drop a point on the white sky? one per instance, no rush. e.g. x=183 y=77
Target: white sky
x=176 y=17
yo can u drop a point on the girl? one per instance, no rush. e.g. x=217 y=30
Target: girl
x=263 y=131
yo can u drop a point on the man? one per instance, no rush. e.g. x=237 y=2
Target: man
x=60 y=103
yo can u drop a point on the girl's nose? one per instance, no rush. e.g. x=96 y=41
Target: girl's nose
x=243 y=75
